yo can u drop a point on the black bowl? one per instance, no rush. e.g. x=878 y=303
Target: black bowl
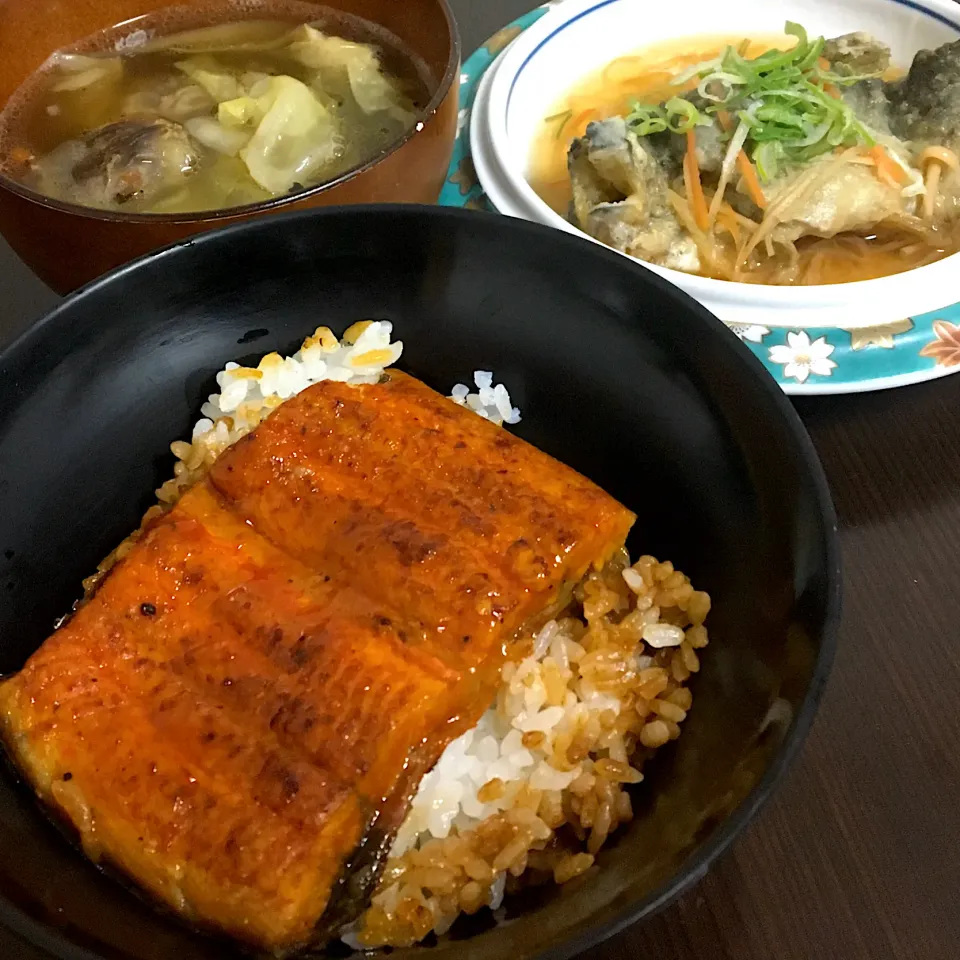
x=617 y=373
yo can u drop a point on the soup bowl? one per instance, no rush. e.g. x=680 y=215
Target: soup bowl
x=616 y=372
x=578 y=38
x=67 y=244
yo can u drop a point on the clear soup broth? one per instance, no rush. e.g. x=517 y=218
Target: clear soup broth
x=210 y=107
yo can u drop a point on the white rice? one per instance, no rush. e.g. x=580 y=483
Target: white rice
x=248 y=394
x=447 y=799
x=491 y=400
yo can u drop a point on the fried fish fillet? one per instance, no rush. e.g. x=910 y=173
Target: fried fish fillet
x=238 y=717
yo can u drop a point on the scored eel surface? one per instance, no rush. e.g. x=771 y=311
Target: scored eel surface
x=238 y=717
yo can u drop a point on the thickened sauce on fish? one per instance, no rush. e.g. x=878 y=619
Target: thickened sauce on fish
x=879 y=202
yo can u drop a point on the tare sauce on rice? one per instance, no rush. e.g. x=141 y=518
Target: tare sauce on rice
x=533 y=792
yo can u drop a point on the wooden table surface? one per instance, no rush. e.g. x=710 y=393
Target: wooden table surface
x=857 y=857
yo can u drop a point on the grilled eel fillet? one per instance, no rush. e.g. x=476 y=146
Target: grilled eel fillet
x=256 y=689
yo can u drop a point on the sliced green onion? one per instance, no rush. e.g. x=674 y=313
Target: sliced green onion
x=563 y=117
x=812 y=56
x=768 y=158
x=785 y=114
x=695 y=71
x=677 y=115
x=682 y=115
x=645 y=119
x=814 y=135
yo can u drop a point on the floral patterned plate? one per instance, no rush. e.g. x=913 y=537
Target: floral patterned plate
x=808 y=361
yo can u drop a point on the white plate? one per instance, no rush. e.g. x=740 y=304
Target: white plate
x=803 y=360
x=578 y=37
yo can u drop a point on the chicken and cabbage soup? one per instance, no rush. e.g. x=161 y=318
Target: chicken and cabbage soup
x=167 y=115
x=783 y=161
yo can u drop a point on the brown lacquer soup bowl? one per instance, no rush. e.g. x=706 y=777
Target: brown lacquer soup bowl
x=67 y=244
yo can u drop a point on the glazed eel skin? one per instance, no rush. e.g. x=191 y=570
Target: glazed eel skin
x=238 y=717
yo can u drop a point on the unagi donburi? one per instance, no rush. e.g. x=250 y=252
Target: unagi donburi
x=372 y=661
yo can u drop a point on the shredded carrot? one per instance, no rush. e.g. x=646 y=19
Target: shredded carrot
x=751 y=180
x=887 y=169
x=698 y=204
x=828 y=88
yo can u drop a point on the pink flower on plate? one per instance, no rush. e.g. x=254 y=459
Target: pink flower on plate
x=946 y=348
x=800 y=356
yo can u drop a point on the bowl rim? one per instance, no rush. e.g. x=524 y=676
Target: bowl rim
x=445 y=85
x=774 y=296
x=699 y=862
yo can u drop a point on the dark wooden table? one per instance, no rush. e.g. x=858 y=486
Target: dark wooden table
x=858 y=855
